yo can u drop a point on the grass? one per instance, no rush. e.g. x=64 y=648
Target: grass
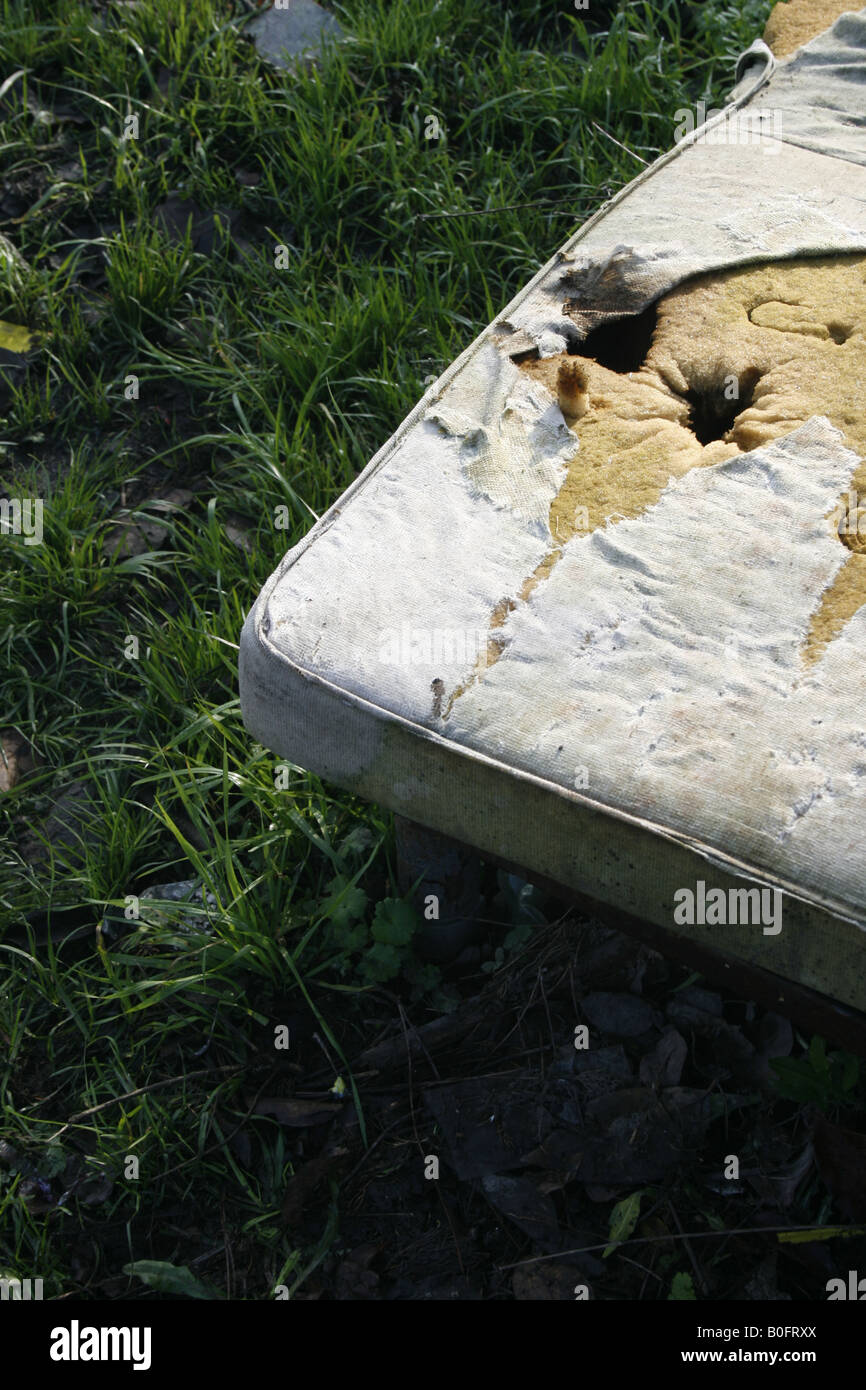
x=211 y=396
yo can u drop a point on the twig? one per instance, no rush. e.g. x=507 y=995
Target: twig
x=547 y=1012
x=703 y=1287
x=334 y=1068
x=141 y=1091
x=685 y=1235
x=442 y=1201
x=601 y=130
x=230 y=1259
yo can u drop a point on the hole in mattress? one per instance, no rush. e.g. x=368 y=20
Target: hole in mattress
x=526 y=355
x=620 y=344
x=711 y=414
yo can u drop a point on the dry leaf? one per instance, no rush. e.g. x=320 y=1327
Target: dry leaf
x=289 y=1110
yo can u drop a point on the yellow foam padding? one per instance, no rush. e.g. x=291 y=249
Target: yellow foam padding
x=794 y=22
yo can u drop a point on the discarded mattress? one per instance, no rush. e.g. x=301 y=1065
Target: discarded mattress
x=599 y=606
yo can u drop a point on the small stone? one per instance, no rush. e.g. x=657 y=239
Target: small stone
x=289 y=32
